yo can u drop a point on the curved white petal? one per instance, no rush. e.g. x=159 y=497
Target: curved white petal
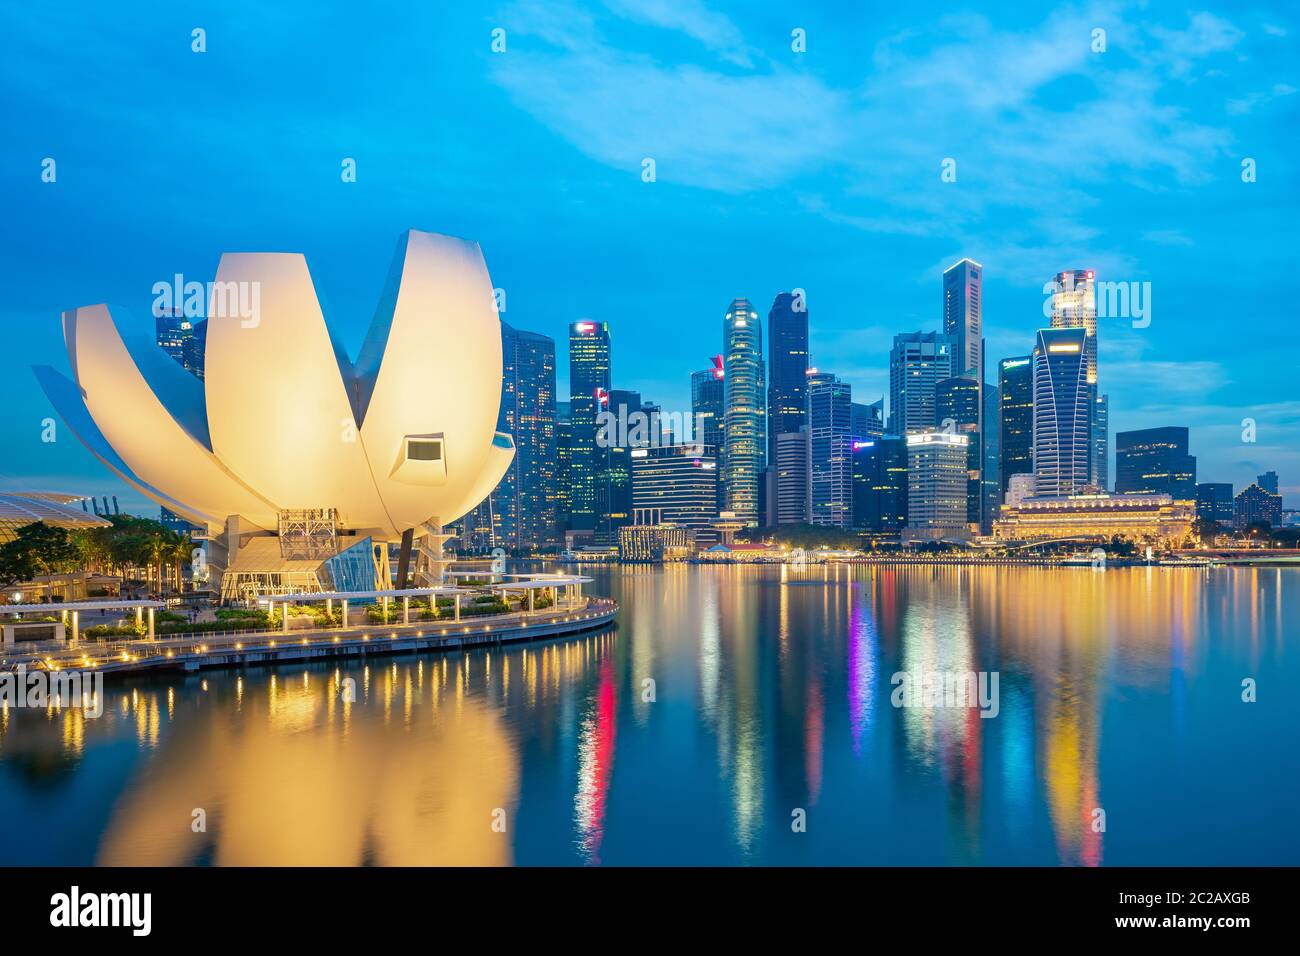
x=278 y=410
x=432 y=367
x=143 y=433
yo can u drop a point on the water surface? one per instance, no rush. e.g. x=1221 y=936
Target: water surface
x=728 y=703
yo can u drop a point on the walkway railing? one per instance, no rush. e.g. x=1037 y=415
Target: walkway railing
x=95 y=653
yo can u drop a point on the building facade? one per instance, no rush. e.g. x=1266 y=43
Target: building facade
x=917 y=363
x=1062 y=437
x=744 y=411
x=524 y=503
x=957 y=410
x=830 y=437
x=1074 y=306
x=1153 y=519
x=679 y=483
x=589 y=386
x=1214 y=502
x=787 y=367
x=791 y=496
x=1016 y=417
x=936 y=486
x=1256 y=505
x=880 y=485
x=1154 y=461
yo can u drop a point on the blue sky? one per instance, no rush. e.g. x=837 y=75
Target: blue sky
x=774 y=170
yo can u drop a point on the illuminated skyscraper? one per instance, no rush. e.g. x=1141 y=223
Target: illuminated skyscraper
x=1074 y=306
x=1016 y=425
x=787 y=366
x=563 y=455
x=589 y=384
x=707 y=414
x=957 y=411
x=790 y=501
x=744 y=410
x=880 y=484
x=614 y=449
x=1214 y=502
x=936 y=485
x=1061 y=412
x=679 y=483
x=830 y=434
x=1154 y=461
x=917 y=363
x=524 y=502
x=868 y=419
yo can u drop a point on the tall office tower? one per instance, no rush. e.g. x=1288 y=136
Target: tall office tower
x=962 y=317
x=1062 y=434
x=524 y=500
x=182 y=340
x=589 y=384
x=680 y=481
x=787 y=366
x=1100 y=440
x=957 y=411
x=917 y=362
x=563 y=455
x=614 y=484
x=707 y=414
x=868 y=419
x=1154 y=461
x=1016 y=418
x=1074 y=305
x=936 y=485
x=744 y=411
x=880 y=484
x=991 y=439
x=1268 y=481
x=790 y=501
x=1255 y=504
x=830 y=438
x=1214 y=502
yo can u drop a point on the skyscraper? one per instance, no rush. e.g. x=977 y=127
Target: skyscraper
x=880 y=484
x=707 y=414
x=1074 y=305
x=957 y=411
x=1154 y=461
x=524 y=500
x=791 y=501
x=679 y=482
x=1016 y=426
x=1268 y=481
x=1061 y=412
x=936 y=486
x=589 y=384
x=614 y=483
x=744 y=410
x=868 y=419
x=787 y=366
x=917 y=362
x=1214 y=502
x=563 y=456
x=962 y=317
x=830 y=436
x=1255 y=505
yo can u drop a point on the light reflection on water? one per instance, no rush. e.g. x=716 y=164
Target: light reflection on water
x=728 y=699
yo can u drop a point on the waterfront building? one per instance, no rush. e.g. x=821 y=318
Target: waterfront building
x=614 y=445
x=1214 y=502
x=936 y=486
x=917 y=363
x=707 y=414
x=1154 y=461
x=1100 y=440
x=1061 y=412
x=1016 y=417
x=787 y=366
x=651 y=540
x=991 y=439
x=589 y=386
x=287 y=448
x=563 y=454
x=744 y=411
x=1151 y=519
x=880 y=484
x=1255 y=504
x=791 y=497
x=678 y=482
x=830 y=439
x=957 y=411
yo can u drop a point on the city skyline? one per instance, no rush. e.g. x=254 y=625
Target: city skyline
x=868 y=257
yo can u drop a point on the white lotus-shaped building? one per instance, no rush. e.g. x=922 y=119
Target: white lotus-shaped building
x=403 y=438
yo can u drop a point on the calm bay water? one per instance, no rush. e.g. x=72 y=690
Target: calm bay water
x=1119 y=690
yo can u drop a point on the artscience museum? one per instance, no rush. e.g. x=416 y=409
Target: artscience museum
x=302 y=464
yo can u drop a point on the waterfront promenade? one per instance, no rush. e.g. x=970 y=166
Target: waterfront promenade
x=191 y=652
